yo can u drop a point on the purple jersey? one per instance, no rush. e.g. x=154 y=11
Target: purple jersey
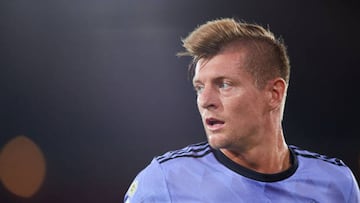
x=198 y=173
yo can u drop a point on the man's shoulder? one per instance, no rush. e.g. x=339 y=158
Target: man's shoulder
x=313 y=156
x=326 y=171
x=197 y=150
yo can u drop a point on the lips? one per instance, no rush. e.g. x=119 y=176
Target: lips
x=214 y=124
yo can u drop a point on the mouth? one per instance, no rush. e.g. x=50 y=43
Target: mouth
x=214 y=124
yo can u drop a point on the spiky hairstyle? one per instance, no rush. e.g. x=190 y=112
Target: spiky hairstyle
x=269 y=57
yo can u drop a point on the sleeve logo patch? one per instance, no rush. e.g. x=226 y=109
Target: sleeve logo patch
x=133 y=187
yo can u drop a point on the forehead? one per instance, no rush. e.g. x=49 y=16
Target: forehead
x=230 y=61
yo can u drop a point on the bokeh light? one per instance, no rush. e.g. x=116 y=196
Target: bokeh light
x=22 y=166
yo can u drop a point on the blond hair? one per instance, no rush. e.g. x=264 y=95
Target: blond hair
x=269 y=57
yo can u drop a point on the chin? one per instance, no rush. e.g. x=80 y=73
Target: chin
x=217 y=141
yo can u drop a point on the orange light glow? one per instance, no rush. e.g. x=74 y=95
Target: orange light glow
x=22 y=166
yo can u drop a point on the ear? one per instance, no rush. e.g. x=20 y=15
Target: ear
x=277 y=92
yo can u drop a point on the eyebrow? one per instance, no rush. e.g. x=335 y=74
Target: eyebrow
x=217 y=79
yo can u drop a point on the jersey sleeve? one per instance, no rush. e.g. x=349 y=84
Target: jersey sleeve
x=149 y=186
x=354 y=191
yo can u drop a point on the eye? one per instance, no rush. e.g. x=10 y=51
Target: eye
x=224 y=85
x=198 y=88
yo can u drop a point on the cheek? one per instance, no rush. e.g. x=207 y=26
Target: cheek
x=242 y=108
x=200 y=110
x=197 y=102
x=198 y=105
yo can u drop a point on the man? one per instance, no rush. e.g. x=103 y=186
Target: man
x=241 y=74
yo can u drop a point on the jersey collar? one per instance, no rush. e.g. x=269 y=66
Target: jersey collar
x=255 y=175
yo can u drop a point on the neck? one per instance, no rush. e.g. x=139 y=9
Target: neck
x=269 y=157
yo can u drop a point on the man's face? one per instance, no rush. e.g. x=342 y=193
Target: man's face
x=231 y=106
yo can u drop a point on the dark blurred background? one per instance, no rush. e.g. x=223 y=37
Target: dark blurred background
x=96 y=85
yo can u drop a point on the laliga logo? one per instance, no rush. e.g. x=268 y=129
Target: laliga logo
x=22 y=166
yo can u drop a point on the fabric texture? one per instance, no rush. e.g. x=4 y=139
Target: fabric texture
x=198 y=173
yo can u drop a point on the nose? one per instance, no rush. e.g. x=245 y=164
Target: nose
x=208 y=99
